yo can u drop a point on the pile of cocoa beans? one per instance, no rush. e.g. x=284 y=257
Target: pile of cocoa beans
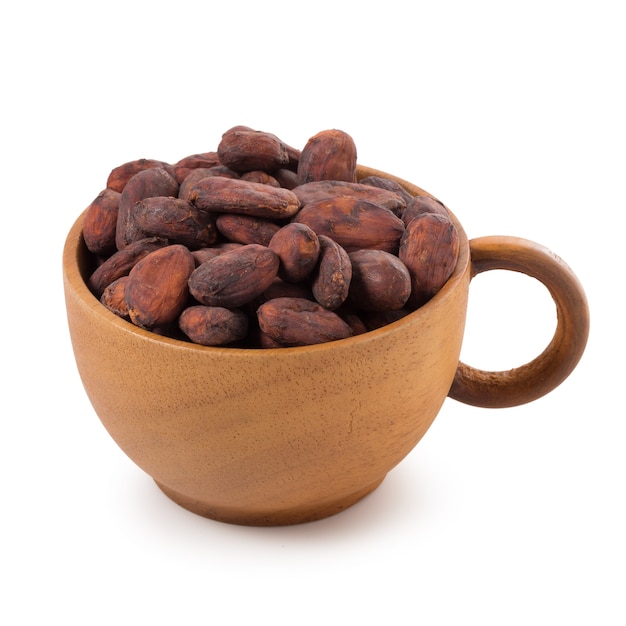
x=261 y=245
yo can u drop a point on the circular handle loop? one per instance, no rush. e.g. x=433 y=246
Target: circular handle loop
x=547 y=371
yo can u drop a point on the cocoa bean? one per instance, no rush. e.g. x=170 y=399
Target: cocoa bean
x=389 y=184
x=203 y=172
x=157 y=290
x=203 y=254
x=353 y=223
x=120 y=175
x=286 y=178
x=173 y=219
x=188 y=164
x=213 y=326
x=100 y=223
x=147 y=183
x=328 y=155
x=121 y=262
x=246 y=228
x=243 y=149
x=234 y=278
x=257 y=176
x=327 y=189
x=422 y=204
x=300 y=322
x=114 y=297
x=298 y=248
x=380 y=281
x=429 y=248
x=225 y=195
x=331 y=281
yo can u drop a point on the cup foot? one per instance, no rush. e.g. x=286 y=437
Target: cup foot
x=254 y=517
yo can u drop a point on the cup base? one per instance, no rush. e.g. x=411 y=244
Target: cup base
x=253 y=517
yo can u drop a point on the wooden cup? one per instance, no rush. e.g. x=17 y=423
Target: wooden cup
x=282 y=436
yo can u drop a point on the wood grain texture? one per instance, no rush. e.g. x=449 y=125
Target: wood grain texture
x=548 y=370
x=290 y=435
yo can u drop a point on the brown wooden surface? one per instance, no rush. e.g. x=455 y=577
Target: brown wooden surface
x=549 y=369
x=288 y=435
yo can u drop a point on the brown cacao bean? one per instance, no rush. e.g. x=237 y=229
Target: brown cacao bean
x=119 y=176
x=327 y=189
x=422 y=204
x=243 y=149
x=331 y=281
x=121 y=262
x=173 y=219
x=380 y=281
x=225 y=195
x=430 y=249
x=186 y=165
x=246 y=228
x=156 y=291
x=389 y=184
x=154 y=181
x=213 y=326
x=234 y=278
x=328 y=155
x=202 y=172
x=300 y=322
x=258 y=176
x=114 y=297
x=298 y=248
x=100 y=223
x=353 y=223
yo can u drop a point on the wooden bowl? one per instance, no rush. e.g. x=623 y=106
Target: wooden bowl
x=290 y=435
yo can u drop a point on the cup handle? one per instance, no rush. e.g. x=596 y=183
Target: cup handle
x=544 y=373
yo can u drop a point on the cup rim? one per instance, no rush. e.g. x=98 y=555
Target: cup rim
x=75 y=251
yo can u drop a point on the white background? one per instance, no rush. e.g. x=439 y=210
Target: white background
x=513 y=114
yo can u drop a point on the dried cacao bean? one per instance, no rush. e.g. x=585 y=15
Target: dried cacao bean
x=156 y=291
x=298 y=248
x=147 y=183
x=331 y=282
x=353 y=223
x=121 y=262
x=225 y=195
x=380 y=281
x=119 y=176
x=328 y=155
x=173 y=219
x=422 y=204
x=429 y=248
x=327 y=189
x=300 y=322
x=234 y=278
x=246 y=228
x=213 y=326
x=243 y=149
x=100 y=223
